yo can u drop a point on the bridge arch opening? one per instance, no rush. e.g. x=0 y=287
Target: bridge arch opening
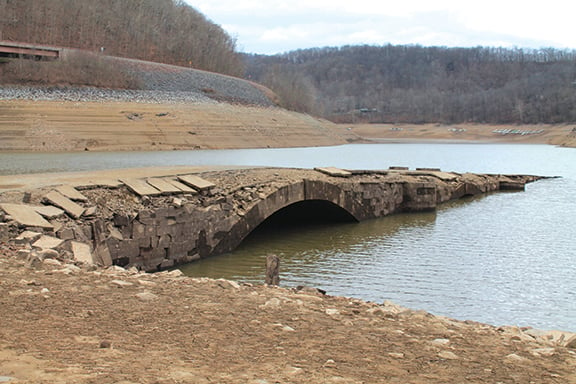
x=303 y=214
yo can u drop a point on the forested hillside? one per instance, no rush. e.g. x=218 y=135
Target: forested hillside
x=166 y=31
x=424 y=84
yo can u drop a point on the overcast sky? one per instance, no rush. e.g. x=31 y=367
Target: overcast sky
x=273 y=26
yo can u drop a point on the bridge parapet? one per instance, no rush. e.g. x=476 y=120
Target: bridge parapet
x=157 y=230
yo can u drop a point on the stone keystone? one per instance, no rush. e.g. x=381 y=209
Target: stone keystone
x=66 y=204
x=26 y=215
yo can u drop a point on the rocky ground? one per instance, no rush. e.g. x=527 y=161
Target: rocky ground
x=67 y=323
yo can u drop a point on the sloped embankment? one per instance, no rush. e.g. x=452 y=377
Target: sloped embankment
x=176 y=108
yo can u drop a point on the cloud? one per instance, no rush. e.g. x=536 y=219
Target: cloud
x=278 y=26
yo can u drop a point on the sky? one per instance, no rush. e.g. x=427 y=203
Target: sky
x=276 y=26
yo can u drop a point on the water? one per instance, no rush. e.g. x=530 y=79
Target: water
x=504 y=258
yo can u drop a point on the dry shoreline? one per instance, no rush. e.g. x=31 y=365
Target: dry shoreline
x=69 y=126
x=68 y=323
x=551 y=134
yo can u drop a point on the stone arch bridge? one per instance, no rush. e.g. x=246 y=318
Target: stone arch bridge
x=159 y=222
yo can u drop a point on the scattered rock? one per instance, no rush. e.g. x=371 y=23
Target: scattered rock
x=52 y=262
x=329 y=364
x=146 y=296
x=23 y=254
x=105 y=344
x=34 y=261
x=543 y=352
x=272 y=303
x=121 y=283
x=441 y=341
x=293 y=371
x=447 y=355
x=332 y=312
x=49 y=254
x=27 y=237
x=514 y=358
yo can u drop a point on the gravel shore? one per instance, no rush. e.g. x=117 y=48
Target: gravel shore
x=90 y=94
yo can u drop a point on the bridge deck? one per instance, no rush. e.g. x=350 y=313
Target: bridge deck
x=15 y=49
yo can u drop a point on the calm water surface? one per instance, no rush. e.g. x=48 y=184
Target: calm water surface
x=505 y=258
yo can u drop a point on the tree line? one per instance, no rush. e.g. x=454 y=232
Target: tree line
x=416 y=84
x=165 y=31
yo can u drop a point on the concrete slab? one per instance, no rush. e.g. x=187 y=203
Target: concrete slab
x=82 y=252
x=59 y=200
x=181 y=186
x=141 y=187
x=163 y=186
x=26 y=215
x=47 y=242
x=71 y=193
x=332 y=171
x=196 y=182
x=49 y=211
x=445 y=176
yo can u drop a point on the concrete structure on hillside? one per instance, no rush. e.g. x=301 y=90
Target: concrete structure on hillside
x=12 y=49
x=161 y=222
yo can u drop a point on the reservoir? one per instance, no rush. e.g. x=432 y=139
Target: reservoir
x=505 y=258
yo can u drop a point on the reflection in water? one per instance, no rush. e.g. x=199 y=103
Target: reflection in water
x=308 y=253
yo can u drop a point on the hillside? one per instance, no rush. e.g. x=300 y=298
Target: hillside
x=415 y=84
x=165 y=31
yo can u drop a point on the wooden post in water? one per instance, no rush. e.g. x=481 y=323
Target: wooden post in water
x=272 y=270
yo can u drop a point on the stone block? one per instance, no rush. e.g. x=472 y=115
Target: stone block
x=129 y=248
x=102 y=255
x=334 y=172
x=141 y=187
x=82 y=252
x=4 y=232
x=26 y=215
x=121 y=220
x=47 y=242
x=115 y=233
x=181 y=186
x=71 y=193
x=163 y=186
x=66 y=234
x=28 y=237
x=196 y=182
x=91 y=211
x=71 y=208
x=49 y=211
